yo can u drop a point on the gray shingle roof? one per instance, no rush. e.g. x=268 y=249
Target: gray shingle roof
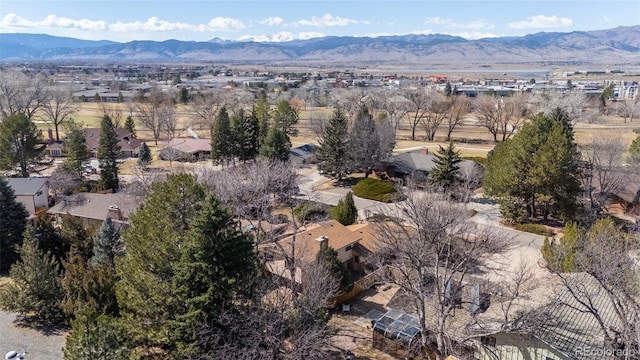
x=95 y=206
x=27 y=186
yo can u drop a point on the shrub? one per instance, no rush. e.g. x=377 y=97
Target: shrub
x=345 y=212
x=532 y=228
x=374 y=189
x=311 y=211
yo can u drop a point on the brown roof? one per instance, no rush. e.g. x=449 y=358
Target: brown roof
x=368 y=235
x=127 y=142
x=339 y=236
x=96 y=206
x=190 y=145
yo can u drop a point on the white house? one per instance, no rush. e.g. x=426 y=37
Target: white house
x=33 y=192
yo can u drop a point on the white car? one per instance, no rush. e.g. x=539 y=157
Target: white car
x=14 y=355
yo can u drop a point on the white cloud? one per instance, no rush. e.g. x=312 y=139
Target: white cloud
x=226 y=24
x=474 y=35
x=51 y=21
x=326 y=20
x=281 y=36
x=154 y=24
x=272 y=21
x=473 y=25
x=541 y=21
x=605 y=19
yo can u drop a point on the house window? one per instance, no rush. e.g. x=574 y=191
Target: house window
x=55 y=152
x=548 y=358
x=488 y=341
x=356 y=259
x=348 y=248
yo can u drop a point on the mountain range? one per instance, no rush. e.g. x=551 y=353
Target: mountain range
x=619 y=45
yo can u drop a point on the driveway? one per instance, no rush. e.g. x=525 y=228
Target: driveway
x=39 y=345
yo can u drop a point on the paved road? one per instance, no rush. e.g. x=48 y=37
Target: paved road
x=39 y=346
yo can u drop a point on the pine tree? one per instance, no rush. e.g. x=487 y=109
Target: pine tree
x=262 y=111
x=332 y=154
x=153 y=246
x=144 y=156
x=328 y=257
x=95 y=336
x=215 y=259
x=446 y=173
x=108 y=153
x=20 y=143
x=364 y=143
x=245 y=135
x=130 y=125
x=76 y=236
x=285 y=118
x=221 y=139
x=105 y=244
x=447 y=89
x=13 y=221
x=276 y=146
x=76 y=149
x=345 y=212
x=634 y=151
x=35 y=290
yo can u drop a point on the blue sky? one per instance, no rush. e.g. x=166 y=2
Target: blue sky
x=282 y=20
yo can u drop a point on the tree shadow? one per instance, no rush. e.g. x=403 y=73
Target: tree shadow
x=348 y=182
x=484 y=201
x=46 y=328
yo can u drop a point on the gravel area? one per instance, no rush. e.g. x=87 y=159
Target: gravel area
x=40 y=345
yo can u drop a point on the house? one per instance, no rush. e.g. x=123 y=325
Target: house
x=417 y=165
x=32 y=192
x=308 y=243
x=186 y=149
x=563 y=329
x=128 y=144
x=93 y=208
x=304 y=154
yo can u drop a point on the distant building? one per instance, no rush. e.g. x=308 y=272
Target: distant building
x=92 y=208
x=186 y=149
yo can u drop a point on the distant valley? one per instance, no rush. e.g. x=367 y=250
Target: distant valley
x=618 y=46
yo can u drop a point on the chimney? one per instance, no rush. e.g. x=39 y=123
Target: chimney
x=323 y=241
x=424 y=151
x=50 y=140
x=114 y=212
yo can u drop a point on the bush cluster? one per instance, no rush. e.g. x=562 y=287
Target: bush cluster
x=374 y=189
x=532 y=228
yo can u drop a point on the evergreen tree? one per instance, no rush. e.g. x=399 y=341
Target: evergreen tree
x=560 y=254
x=216 y=258
x=262 y=111
x=35 y=290
x=120 y=97
x=447 y=89
x=76 y=149
x=276 y=146
x=345 y=212
x=98 y=337
x=153 y=246
x=245 y=135
x=328 y=257
x=108 y=153
x=364 y=143
x=105 y=244
x=50 y=241
x=13 y=220
x=183 y=95
x=285 y=118
x=446 y=173
x=20 y=143
x=76 y=236
x=144 y=156
x=538 y=167
x=130 y=125
x=221 y=139
x=634 y=151
x=332 y=154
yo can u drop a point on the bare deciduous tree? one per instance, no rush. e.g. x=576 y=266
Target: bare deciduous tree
x=60 y=106
x=501 y=116
x=438 y=112
x=458 y=109
x=431 y=247
x=205 y=108
x=349 y=100
x=420 y=102
x=628 y=109
x=113 y=111
x=20 y=93
x=157 y=114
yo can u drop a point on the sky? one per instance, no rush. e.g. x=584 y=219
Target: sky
x=284 y=20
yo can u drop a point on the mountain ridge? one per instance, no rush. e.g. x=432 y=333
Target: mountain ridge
x=619 y=45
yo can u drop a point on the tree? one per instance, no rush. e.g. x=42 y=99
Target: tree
x=156 y=113
x=13 y=221
x=35 y=290
x=262 y=111
x=446 y=173
x=345 y=212
x=76 y=149
x=20 y=143
x=285 y=117
x=438 y=111
x=276 y=145
x=560 y=254
x=60 y=106
x=95 y=336
x=144 y=156
x=215 y=260
x=205 y=108
x=328 y=258
x=105 y=245
x=183 y=95
x=429 y=248
x=363 y=143
x=420 y=104
x=221 y=139
x=457 y=110
x=537 y=168
x=634 y=151
x=130 y=125
x=108 y=153
x=501 y=116
x=21 y=94
x=447 y=89
x=245 y=128
x=332 y=154
x=154 y=244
